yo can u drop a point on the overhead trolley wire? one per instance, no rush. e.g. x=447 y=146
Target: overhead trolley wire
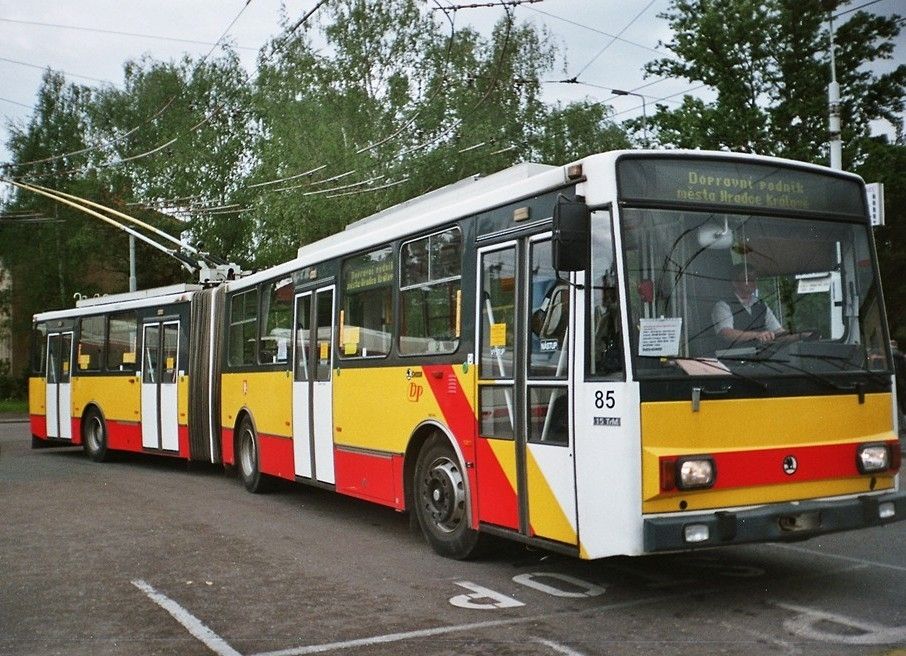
x=83 y=28
x=157 y=114
x=614 y=38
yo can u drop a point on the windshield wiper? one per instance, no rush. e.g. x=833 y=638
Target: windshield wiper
x=835 y=360
x=857 y=388
x=719 y=370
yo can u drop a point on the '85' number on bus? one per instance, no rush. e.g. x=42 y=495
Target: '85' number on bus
x=605 y=399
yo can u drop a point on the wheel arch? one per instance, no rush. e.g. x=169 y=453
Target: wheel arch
x=243 y=413
x=90 y=407
x=420 y=436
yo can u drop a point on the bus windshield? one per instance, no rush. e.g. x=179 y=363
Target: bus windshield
x=714 y=293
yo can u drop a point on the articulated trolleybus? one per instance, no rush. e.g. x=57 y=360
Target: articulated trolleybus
x=636 y=353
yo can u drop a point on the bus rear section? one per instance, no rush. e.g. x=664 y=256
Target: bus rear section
x=114 y=374
x=759 y=346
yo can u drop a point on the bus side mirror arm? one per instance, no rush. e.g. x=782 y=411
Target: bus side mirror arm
x=571 y=236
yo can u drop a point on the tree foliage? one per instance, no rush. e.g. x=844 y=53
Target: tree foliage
x=768 y=63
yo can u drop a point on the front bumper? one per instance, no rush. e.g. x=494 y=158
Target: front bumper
x=786 y=522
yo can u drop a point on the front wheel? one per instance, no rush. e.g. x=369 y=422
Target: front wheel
x=441 y=503
x=247 y=458
x=94 y=436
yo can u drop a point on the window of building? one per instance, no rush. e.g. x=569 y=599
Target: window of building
x=276 y=321
x=90 y=349
x=243 y=328
x=366 y=318
x=122 y=331
x=431 y=293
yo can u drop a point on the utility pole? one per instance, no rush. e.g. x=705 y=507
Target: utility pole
x=833 y=95
x=621 y=92
x=133 y=282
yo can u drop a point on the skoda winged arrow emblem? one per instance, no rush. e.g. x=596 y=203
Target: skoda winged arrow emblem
x=790 y=465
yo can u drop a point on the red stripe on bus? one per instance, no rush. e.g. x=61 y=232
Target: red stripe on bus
x=124 y=436
x=226 y=446
x=497 y=502
x=737 y=469
x=373 y=477
x=275 y=456
x=460 y=419
x=38 y=425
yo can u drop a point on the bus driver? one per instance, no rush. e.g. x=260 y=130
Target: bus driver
x=745 y=318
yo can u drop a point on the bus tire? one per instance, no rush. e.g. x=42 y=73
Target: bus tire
x=440 y=500
x=247 y=458
x=94 y=435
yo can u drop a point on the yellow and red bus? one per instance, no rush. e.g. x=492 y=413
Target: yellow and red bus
x=634 y=353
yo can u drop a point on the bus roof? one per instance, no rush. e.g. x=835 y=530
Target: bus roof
x=125 y=301
x=476 y=194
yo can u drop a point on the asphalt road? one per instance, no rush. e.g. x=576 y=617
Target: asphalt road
x=148 y=556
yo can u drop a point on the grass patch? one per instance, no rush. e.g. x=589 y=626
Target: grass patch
x=19 y=406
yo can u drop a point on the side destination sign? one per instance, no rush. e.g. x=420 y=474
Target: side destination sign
x=732 y=183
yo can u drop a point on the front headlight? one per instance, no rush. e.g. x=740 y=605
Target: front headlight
x=694 y=473
x=873 y=458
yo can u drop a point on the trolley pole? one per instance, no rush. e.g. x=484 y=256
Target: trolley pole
x=833 y=96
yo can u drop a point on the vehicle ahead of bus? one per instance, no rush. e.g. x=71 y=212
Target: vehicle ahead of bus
x=563 y=382
x=543 y=354
x=113 y=374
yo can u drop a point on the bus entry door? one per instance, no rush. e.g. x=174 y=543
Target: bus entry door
x=313 y=385
x=160 y=403
x=58 y=399
x=525 y=455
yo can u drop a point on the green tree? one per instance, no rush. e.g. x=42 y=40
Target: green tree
x=768 y=63
x=886 y=163
x=178 y=130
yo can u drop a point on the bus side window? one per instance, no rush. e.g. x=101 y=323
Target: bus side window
x=90 y=349
x=430 y=293
x=366 y=317
x=243 y=327
x=606 y=357
x=39 y=349
x=276 y=321
x=122 y=332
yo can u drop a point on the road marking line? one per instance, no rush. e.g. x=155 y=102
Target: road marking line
x=862 y=561
x=557 y=647
x=805 y=625
x=788 y=646
x=458 y=628
x=191 y=623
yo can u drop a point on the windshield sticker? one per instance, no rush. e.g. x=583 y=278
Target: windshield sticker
x=660 y=337
x=814 y=285
x=703 y=367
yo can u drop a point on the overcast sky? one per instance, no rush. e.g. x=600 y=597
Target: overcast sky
x=162 y=29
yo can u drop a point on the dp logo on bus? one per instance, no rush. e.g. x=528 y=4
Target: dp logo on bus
x=790 y=465
x=415 y=392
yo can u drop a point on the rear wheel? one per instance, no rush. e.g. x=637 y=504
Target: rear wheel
x=247 y=458
x=94 y=435
x=441 y=503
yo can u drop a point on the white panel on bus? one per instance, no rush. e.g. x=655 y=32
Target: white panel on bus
x=65 y=411
x=169 y=419
x=50 y=403
x=149 y=416
x=301 y=437
x=323 y=401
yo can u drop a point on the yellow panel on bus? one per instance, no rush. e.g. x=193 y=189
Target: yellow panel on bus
x=764 y=450
x=267 y=394
x=118 y=397
x=379 y=408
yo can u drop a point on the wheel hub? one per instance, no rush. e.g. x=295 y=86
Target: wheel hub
x=445 y=494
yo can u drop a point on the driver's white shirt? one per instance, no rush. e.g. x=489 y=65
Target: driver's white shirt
x=722 y=315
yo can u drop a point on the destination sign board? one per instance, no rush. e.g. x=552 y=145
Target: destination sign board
x=716 y=182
